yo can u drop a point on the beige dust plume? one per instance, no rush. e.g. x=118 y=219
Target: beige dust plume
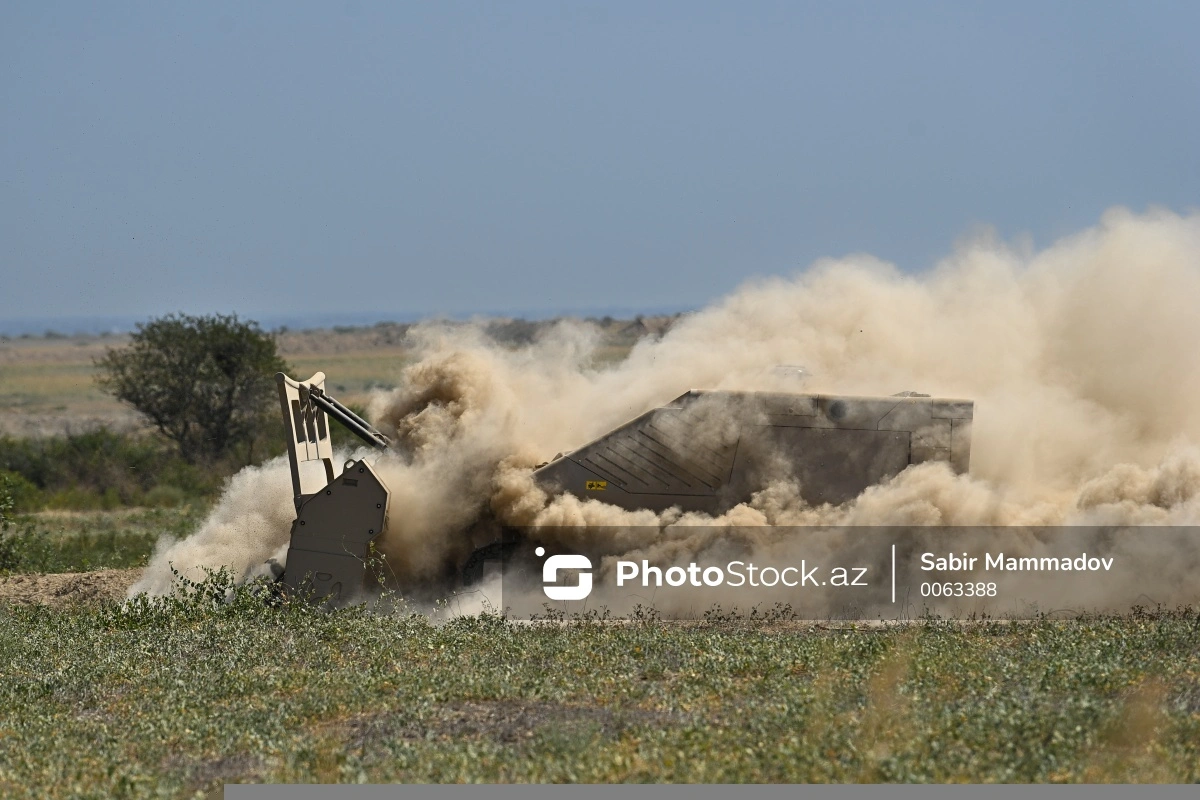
x=1082 y=360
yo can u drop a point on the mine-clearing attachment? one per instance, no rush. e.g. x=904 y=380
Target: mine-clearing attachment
x=339 y=513
x=704 y=451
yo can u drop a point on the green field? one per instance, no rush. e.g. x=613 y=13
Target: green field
x=51 y=542
x=174 y=699
x=48 y=386
x=53 y=387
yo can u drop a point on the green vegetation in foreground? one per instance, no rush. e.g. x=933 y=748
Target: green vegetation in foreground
x=81 y=541
x=174 y=698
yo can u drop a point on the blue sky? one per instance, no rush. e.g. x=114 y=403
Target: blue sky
x=402 y=159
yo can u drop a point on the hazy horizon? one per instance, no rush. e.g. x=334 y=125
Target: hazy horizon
x=92 y=325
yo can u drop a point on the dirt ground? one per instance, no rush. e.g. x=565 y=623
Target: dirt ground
x=67 y=587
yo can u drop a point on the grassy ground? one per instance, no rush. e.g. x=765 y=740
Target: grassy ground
x=176 y=698
x=67 y=541
x=54 y=386
x=46 y=386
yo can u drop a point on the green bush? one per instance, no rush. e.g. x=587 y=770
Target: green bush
x=164 y=497
x=6 y=501
x=102 y=469
x=206 y=383
x=22 y=495
x=79 y=499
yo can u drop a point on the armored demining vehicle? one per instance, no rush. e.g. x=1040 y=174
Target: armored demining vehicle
x=704 y=451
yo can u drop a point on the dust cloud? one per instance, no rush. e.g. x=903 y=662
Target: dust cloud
x=1082 y=360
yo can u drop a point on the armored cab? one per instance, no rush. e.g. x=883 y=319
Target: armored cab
x=707 y=451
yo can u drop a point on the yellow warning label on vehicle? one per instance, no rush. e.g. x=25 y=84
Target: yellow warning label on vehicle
x=597 y=486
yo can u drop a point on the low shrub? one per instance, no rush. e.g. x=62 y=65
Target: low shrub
x=104 y=470
x=19 y=492
x=6 y=501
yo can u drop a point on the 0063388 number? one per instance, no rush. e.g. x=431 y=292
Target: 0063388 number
x=958 y=590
